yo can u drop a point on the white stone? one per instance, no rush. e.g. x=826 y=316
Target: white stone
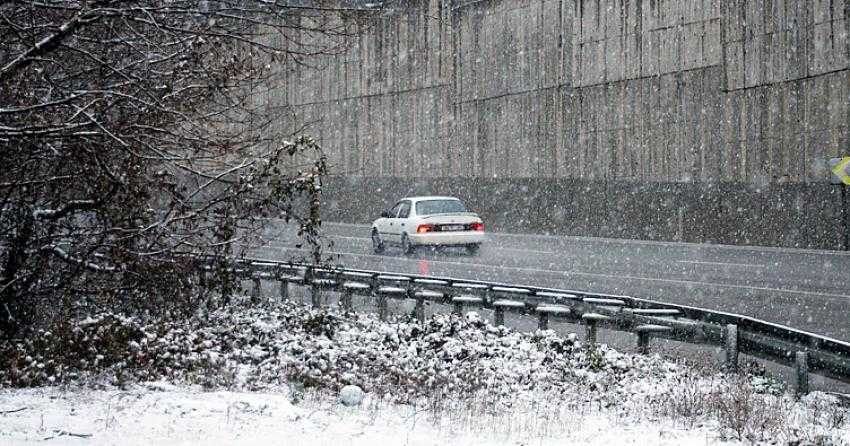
x=351 y=395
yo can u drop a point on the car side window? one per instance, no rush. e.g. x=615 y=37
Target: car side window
x=394 y=211
x=404 y=211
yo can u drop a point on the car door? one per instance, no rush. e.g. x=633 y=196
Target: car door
x=386 y=225
x=402 y=219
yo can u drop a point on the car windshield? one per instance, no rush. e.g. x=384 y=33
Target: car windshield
x=439 y=207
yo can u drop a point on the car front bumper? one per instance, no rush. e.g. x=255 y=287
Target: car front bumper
x=447 y=238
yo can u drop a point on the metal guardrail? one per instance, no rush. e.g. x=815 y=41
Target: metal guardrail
x=804 y=351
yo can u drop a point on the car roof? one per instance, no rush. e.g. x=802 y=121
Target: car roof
x=429 y=197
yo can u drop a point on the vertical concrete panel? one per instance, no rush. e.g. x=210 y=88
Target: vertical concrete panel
x=508 y=139
x=418 y=124
x=402 y=68
x=625 y=165
x=518 y=17
x=639 y=125
x=534 y=103
x=772 y=128
x=840 y=111
x=595 y=126
x=820 y=126
x=448 y=51
x=461 y=61
x=713 y=88
x=482 y=140
x=796 y=124
x=495 y=53
x=650 y=53
x=364 y=135
x=576 y=46
x=549 y=43
x=415 y=53
x=691 y=41
x=504 y=136
x=548 y=136
x=535 y=68
x=763 y=173
x=471 y=131
x=615 y=63
x=516 y=138
x=374 y=143
x=571 y=108
x=730 y=136
x=567 y=33
x=631 y=55
x=688 y=130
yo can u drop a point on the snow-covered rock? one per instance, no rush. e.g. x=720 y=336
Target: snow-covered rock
x=351 y=395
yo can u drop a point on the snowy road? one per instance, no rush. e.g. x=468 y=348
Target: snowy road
x=802 y=288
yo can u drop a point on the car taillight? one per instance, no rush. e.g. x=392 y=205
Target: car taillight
x=477 y=227
x=421 y=229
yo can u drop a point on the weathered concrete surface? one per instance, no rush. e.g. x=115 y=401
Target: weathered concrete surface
x=721 y=110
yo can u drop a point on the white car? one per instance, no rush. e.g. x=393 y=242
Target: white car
x=428 y=221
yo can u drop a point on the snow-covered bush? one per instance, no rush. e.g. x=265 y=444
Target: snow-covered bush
x=261 y=347
x=449 y=364
x=91 y=344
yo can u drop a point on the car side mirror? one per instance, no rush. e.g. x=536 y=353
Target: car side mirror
x=385 y=214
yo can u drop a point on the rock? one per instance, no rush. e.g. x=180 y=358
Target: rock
x=351 y=395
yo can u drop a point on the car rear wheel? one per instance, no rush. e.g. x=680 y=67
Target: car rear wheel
x=473 y=249
x=406 y=246
x=377 y=243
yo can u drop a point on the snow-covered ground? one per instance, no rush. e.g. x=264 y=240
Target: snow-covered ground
x=273 y=376
x=162 y=414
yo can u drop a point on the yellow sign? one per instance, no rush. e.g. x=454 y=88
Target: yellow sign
x=842 y=170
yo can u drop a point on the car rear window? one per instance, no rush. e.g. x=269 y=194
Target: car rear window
x=429 y=207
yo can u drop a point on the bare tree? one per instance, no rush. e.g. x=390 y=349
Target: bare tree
x=130 y=134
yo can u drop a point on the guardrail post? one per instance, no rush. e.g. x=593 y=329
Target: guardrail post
x=255 y=289
x=284 y=290
x=382 y=306
x=731 y=344
x=643 y=342
x=419 y=309
x=345 y=299
x=315 y=295
x=499 y=315
x=802 y=363
x=542 y=320
x=457 y=308
x=592 y=332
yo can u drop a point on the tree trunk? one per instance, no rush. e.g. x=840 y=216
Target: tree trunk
x=9 y=294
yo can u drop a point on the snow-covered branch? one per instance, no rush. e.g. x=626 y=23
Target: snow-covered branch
x=62 y=254
x=46 y=44
x=71 y=206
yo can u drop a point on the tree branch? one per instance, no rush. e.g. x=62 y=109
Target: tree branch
x=46 y=44
x=62 y=254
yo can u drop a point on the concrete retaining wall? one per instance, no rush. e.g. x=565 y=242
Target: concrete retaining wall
x=688 y=106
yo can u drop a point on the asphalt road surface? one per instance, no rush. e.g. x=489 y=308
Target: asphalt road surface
x=805 y=289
